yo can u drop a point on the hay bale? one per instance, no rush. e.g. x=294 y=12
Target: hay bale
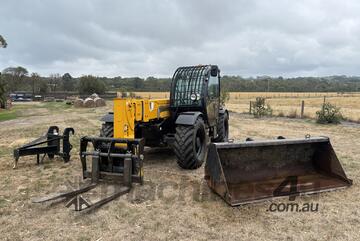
x=94 y=96
x=89 y=103
x=72 y=98
x=99 y=102
x=78 y=103
x=49 y=99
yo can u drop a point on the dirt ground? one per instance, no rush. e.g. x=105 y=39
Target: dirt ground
x=173 y=204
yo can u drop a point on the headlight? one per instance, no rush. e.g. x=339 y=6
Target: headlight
x=193 y=97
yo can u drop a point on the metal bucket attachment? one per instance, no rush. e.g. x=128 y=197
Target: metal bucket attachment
x=251 y=171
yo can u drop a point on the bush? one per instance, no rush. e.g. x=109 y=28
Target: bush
x=224 y=96
x=329 y=114
x=259 y=108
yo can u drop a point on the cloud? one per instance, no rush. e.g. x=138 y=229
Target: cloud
x=152 y=38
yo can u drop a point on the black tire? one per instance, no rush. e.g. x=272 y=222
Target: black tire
x=107 y=130
x=190 y=145
x=223 y=128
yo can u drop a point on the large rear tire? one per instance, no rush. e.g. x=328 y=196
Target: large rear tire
x=190 y=145
x=223 y=128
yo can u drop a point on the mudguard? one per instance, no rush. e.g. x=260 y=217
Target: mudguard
x=187 y=118
x=109 y=117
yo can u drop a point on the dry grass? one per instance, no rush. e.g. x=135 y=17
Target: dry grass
x=173 y=212
x=288 y=103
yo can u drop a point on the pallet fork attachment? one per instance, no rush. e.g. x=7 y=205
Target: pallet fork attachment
x=48 y=144
x=108 y=163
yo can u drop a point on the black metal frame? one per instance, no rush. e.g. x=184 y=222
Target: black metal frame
x=108 y=148
x=49 y=144
x=132 y=157
x=193 y=83
x=190 y=80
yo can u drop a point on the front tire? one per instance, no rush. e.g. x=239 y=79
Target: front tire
x=222 y=128
x=107 y=130
x=190 y=145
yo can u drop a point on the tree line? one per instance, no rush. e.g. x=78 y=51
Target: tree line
x=19 y=79
x=299 y=84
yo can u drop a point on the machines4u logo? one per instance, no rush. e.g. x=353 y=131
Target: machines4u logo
x=289 y=187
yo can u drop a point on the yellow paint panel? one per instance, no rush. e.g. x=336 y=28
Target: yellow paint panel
x=124 y=118
x=157 y=109
x=138 y=110
x=129 y=111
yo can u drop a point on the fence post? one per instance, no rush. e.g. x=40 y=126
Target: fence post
x=302 y=109
x=250 y=107
x=323 y=106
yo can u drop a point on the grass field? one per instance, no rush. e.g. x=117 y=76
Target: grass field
x=288 y=104
x=37 y=108
x=7 y=115
x=174 y=204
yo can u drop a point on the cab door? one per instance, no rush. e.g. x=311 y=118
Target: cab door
x=213 y=93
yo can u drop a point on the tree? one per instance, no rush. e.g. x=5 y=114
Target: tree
x=42 y=86
x=16 y=71
x=138 y=83
x=68 y=83
x=54 y=82
x=90 y=84
x=2 y=93
x=14 y=77
x=35 y=79
x=3 y=43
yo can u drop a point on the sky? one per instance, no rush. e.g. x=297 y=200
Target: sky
x=153 y=37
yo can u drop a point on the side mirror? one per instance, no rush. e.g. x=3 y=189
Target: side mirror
x=214 y=71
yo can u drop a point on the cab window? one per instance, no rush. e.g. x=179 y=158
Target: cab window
x=213 y=86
